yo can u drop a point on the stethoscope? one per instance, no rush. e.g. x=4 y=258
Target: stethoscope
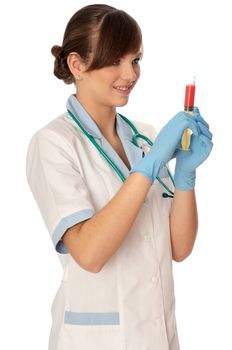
x=134 y=141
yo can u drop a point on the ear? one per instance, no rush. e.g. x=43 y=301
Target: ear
x=75 y=64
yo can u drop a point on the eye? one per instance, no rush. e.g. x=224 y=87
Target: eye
x=136 y=60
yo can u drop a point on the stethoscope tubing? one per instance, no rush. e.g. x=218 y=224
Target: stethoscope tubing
x=134 y=141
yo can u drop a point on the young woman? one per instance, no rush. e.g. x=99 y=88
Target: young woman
x=116 y=226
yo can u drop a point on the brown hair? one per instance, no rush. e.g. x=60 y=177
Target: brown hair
x=101 y=30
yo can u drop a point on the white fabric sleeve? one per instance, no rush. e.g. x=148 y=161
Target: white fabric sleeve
x=57 y=185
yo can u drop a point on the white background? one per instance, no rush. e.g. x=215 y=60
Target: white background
x=181 y=38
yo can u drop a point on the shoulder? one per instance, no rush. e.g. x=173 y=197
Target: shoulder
x=58 y=132
x=51 y=142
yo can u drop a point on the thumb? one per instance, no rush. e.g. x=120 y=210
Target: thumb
x=180 y=154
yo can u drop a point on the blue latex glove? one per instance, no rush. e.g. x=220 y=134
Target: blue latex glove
x=165 y=145
x=187 y=161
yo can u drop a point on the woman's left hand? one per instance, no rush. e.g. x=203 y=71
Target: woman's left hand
x=187 y=161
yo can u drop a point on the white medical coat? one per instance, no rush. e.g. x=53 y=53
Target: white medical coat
x=130 y=303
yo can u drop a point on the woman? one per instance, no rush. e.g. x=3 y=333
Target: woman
x=116 y=232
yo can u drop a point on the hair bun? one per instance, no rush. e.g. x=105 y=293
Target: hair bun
x=61 y=69
x=56 y=50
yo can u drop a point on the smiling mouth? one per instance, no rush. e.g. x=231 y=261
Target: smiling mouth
x=124 y=88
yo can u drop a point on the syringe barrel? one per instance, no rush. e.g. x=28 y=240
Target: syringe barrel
x=189 y=97
x=188 y=107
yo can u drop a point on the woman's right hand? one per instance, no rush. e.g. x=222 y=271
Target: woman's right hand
x=165 y=145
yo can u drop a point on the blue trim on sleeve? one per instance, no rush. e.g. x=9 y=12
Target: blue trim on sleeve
x=91 y=318
x=66 y=223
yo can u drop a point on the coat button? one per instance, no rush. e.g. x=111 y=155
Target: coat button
x=147 y=238
x=153 y=279
x=159 y=322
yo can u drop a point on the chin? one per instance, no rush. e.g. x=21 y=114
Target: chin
x=122 y=102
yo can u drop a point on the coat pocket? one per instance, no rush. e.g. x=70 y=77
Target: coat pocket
x=91 y=318
x=92 y=330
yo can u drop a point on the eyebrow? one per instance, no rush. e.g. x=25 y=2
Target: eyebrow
x=140 y=53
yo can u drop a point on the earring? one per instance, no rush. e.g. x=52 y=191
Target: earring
x=77 y=77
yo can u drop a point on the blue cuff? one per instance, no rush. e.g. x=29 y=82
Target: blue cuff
x=65 y=224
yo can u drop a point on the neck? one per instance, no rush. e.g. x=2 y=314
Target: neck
x=103 y=116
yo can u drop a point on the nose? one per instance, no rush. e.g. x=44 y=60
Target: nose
x=129 y=71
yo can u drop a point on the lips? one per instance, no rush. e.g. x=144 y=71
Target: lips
x=125 y=88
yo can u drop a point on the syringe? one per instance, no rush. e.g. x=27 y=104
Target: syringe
x=188 y=107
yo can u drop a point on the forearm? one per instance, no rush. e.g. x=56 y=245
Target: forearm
x=183 y=224
x=101 y=236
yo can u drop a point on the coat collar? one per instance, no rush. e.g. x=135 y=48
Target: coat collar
x=89 y=124
x=124 y=131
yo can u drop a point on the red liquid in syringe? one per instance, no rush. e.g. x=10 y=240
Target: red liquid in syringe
x=188 y=107
x=189 y=97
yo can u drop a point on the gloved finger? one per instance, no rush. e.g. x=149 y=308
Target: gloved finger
x=189 y=122
x=179 y=153
x=197 y=116
x=204 y=130
x=183 y=121
x=208 y=144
